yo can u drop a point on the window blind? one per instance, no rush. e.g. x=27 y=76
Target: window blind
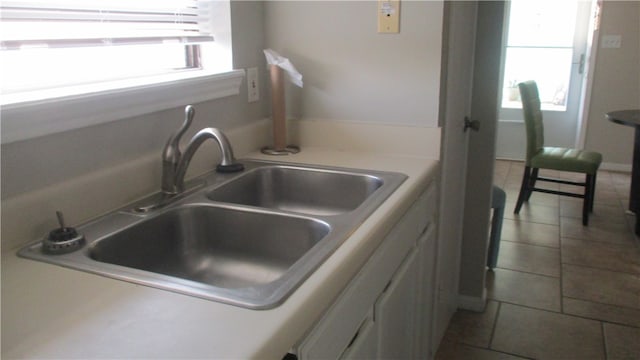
x=72 y=23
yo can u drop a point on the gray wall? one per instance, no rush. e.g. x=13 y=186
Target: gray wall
x=35 y=163
x=616 y=82
x=351 y=72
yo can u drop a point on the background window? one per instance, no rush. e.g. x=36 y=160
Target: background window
x=539 y=47
x=46 y=44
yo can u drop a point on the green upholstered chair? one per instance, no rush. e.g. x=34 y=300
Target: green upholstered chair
x=554 y=158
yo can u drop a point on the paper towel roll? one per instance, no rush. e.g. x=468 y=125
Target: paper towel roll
x=273 y=58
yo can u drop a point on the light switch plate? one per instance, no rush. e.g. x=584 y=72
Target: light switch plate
x=611 y=41
x=389 y=16
x=253 y=89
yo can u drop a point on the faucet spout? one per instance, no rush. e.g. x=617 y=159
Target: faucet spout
x=227 y=163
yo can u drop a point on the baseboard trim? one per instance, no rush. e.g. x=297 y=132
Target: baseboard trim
x=473 y=303
x=616 y=167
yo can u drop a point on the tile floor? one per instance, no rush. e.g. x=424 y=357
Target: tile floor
x=560 y=290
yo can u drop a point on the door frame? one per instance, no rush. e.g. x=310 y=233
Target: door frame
x=455 y=93
x=472 y=293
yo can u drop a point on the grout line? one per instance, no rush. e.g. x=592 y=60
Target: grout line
x=607 y=304
x=531 y=244
x=604 y=340
x=499 y=352
x=609 y=243
x=569 y=315
x=600 y=268
x=495 y=323
x=601 y=320
x=531 y=273
x=532 y=221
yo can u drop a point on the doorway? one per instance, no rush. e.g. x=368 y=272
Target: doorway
x=547 y=41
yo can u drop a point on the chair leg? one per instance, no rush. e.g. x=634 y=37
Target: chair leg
x=532 y=183
x=593 y=192
x=524 y=189
x=588 y=199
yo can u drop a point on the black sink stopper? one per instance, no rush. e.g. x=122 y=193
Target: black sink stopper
x=231 y=168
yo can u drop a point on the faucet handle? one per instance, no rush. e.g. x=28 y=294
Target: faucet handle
x=171 y=155
x=172 y=148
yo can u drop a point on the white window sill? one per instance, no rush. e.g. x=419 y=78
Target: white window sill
x=48 y=112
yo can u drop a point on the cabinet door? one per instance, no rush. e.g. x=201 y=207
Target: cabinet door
x=365 y=343
x=426 y=297
x=395 y=312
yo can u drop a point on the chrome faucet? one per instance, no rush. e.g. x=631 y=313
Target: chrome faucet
x=227 y=164
x=175 y=164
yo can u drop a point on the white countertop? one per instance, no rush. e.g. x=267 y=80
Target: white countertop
x=53 y=312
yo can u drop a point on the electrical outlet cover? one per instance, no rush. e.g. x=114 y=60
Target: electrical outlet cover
x=611 y=41
x=253 y=87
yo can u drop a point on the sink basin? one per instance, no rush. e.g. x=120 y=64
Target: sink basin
x=309 y=191
x=247 y=239
x=222 y=247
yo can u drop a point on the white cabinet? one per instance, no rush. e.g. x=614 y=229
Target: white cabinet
x=426 y=298
x=386 y=310
x=365 y=342
x=394 y=313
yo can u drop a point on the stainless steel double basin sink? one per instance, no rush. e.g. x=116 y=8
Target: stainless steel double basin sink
x=247 y=239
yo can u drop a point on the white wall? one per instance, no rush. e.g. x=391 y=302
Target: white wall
x=352 y=73
x=616 y=83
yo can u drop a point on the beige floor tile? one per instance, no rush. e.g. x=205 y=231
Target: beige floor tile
x=599 y=278
x=545 y=335
x=608 y=256
x=621 y=178
x=532 y=212
x=531 y=233
x=631 y=225
x=613 y=213
x=607 y=197
x=571 y=176
x=604 y=231
x=529 y=258
x=622 y=342
x=602 y=197
x=538 y=291
x=623 y=193
x=604 y=312
x=512 y=186
x=601 y=286
x=536 y=199
x=473 y=328
x=466 y=352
